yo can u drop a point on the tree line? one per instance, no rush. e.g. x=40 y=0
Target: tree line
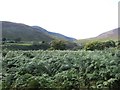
x=61 y=45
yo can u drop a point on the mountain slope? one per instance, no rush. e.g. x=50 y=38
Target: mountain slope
x=12 y=30
x=109 y=35
x=112 y=34
x=55 y=35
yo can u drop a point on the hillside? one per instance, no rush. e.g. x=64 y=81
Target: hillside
x=112 y=34
x=26 y=33
x=12 y=30
x=109 y=35
x=53 y=34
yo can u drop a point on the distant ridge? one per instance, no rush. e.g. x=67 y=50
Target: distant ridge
x=112 y=34
x=55 y=35
x=109 y=35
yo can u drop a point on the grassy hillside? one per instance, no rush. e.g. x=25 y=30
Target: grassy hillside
x=26 y=33
x=12 y=31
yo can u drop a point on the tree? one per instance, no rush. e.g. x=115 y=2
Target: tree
x=58 y=45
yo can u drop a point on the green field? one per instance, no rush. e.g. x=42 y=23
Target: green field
x=26 y=70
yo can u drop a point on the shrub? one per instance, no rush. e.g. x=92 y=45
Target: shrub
x=98 y=45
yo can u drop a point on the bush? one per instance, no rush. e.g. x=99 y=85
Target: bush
x=109 y=43
x=98 y=45
x=94 y=45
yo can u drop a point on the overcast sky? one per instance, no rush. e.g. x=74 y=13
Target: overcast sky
x=74 y=18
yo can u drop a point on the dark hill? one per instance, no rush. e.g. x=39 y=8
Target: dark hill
x=12 y=30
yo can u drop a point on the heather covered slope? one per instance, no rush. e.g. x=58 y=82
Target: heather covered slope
x=109 y=35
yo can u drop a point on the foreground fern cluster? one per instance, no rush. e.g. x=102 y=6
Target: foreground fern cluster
x=24 y=70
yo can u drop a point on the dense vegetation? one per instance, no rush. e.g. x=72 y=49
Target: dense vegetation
x=58 y=45
x=26 y=70
x=41 y=45
x=95 y=65
x=100 y=45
